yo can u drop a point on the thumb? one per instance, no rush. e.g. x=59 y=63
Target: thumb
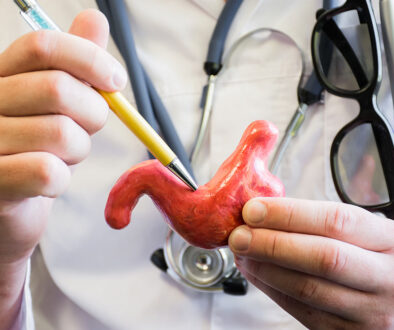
x=91 y=24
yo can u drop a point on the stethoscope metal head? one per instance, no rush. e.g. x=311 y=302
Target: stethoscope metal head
x=199 y=269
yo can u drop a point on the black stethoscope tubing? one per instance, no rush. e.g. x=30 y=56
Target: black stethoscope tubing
x=148 y=101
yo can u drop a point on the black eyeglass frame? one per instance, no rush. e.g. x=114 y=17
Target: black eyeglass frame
x=366 y=96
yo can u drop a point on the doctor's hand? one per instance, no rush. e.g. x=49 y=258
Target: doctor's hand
x=47 y=113
x=330 y=265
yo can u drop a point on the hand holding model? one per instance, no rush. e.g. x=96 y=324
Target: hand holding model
x=47 y=116
x=204 y=218
x=328 y=264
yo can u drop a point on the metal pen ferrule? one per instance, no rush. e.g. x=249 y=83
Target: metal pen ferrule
x=179 y=170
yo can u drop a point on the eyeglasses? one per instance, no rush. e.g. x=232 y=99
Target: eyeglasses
x=347 y=59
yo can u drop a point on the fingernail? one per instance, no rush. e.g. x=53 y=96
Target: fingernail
x=119 y=78
x=240 y=239
x=255 y=212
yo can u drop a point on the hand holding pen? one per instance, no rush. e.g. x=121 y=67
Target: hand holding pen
x=38 y=20
x=48 y=111
x=47 y=117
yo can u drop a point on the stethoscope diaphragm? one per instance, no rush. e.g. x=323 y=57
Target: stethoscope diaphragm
x=200 y=269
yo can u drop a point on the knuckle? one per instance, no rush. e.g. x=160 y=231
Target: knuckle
x=56 y=86
x=307 y=291
x=272 y=246
x=62 y=131
x=332 y=261
x=96 y=61
x=291 y=215
x=51 y=175
x=40 y=45
x=46 y=170
x=338 y=221
x=101 y=65
x=98 y=122
x=72 y=142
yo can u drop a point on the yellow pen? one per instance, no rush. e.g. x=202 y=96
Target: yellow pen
x=38 y=20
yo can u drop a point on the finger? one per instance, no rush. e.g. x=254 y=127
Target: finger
x=32 y=174
x=313 y=291
x=91 y=24
x=55 y=92
x=319 y=256
x=44 y=50
x=55 y=134
x=336 y=220
x=307 y=315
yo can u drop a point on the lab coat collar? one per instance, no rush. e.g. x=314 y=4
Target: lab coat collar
x=211 y=7
x=246 y=12
x=214 y=7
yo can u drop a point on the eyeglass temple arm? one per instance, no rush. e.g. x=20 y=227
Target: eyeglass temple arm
x=336 y=36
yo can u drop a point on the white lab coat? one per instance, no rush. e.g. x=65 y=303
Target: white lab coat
x=88 y=276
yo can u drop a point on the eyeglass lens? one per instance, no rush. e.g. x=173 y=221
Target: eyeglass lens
x=360 y=171
x=345 y=52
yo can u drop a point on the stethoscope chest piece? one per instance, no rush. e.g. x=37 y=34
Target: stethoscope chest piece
x=204 y=268
x=200 y=269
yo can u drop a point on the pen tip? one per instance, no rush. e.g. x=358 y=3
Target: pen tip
x=193 y=185
x=180 y=171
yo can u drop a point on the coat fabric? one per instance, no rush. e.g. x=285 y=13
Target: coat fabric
x=88 y=276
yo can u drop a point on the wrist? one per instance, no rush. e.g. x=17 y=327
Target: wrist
x=12 y=279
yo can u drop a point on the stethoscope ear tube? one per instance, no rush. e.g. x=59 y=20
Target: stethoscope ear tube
x=116 y=13
x=329 y=4
x=311 y=92
x=213 y=63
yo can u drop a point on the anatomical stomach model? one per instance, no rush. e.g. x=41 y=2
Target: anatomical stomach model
x=206 y=217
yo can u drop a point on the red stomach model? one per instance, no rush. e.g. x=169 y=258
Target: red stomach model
x=206 y=217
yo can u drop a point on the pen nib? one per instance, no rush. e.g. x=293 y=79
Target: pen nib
x=180 y=171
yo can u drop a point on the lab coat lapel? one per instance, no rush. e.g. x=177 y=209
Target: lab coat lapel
x=245 y=13
x=211 y=7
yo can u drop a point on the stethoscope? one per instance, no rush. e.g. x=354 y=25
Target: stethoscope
x=203 y=270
